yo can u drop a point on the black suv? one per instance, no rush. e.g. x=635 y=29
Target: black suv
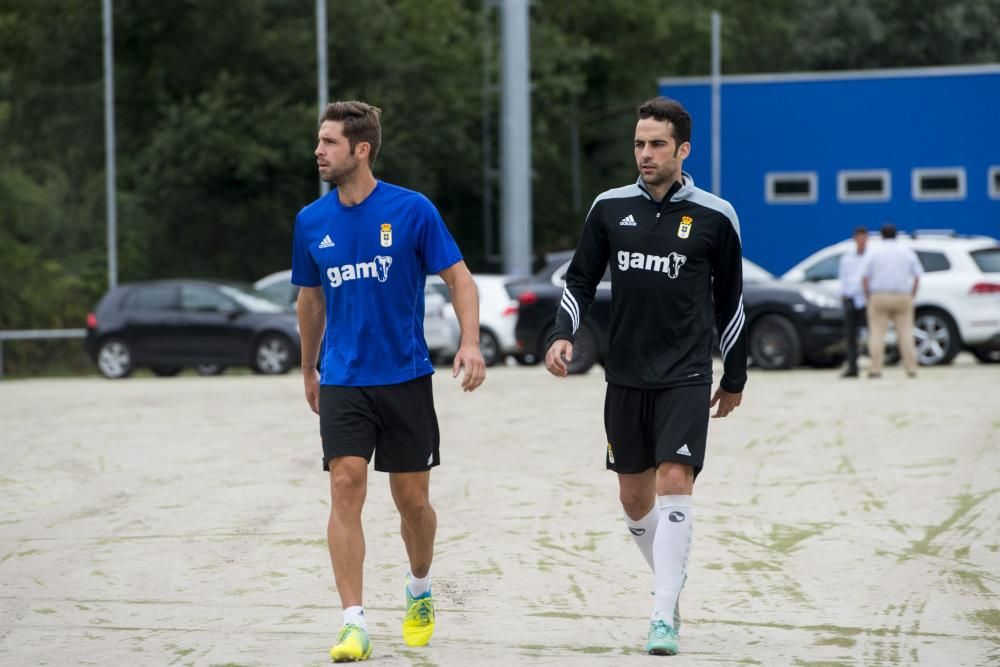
x=171 y=324
x=788 y=325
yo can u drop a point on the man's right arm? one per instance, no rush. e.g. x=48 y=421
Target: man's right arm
x=585 y=271
x=311 y=310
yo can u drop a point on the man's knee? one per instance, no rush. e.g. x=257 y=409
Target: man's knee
x=414 y=507
x=348 y=482
x=636 y=502
x=674 y=479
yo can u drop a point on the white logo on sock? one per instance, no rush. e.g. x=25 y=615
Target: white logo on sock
x=684 y=451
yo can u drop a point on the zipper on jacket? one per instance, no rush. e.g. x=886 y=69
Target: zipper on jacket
x=666 y=199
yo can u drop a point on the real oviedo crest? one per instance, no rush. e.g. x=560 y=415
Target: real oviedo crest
x=684 y=230
x=385 y=237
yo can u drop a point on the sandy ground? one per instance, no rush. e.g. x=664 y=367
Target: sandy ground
x=181 y=521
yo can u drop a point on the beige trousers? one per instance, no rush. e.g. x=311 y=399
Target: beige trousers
x=885 y=306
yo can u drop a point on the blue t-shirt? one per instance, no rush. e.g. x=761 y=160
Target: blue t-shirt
x=372 y=260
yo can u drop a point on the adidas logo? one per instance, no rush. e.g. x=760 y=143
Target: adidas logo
x=627 y=221
x=684 y=451
x=327 y=242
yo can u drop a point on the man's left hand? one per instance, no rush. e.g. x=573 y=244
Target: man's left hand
x=471 y=358
x=727 y=402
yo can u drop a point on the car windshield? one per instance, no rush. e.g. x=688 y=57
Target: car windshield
x=253 y=300
x=753 y=273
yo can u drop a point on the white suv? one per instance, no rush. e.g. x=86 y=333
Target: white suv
x=958 y=301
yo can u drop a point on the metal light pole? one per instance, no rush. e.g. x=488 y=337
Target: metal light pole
x=515 y=153
x=109 y=144
x=322 y=84
x=716 y=104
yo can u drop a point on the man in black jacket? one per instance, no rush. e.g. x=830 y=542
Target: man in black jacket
x=676 y=271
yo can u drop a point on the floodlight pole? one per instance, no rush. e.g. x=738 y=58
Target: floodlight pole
x=109 y=144
x=515 y=136
x=716 y=104
x=322 y=84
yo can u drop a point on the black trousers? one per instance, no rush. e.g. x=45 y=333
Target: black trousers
x=854 y=319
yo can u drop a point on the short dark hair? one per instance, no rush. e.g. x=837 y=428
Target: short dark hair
x=361 y=123
x=860 y=230
x=888 y=231
x=669 y=111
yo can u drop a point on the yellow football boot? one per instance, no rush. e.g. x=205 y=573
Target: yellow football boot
x=352 y=645
x=418 y=624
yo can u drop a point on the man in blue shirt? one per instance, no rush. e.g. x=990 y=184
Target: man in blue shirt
x=361 y=254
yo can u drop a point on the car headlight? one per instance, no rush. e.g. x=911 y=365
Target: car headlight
x=819 y=298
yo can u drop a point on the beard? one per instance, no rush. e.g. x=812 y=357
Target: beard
x=340 y=175
x=659 y=177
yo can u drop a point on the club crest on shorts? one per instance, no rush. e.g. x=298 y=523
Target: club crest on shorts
x=684 y=230
x=385 y=235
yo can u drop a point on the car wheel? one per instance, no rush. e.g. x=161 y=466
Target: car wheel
x=166 y=371
x=526 y=359
x=489 y=347
x=273 y=355
x=774 y=343
x=114 y=358
x=209 y=369
x=936 y=337
x=584 y=352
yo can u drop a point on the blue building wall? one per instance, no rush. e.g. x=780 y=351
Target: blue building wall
x=894 y=120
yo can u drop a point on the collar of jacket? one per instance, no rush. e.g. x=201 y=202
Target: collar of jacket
x=677 y=191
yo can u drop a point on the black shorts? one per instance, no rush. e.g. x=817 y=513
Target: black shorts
x=396 y=422
x=647 y=427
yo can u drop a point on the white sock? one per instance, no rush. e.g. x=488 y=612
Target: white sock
x=418 y=586
x=671 y=547
x=355 y=616
x=643 y=532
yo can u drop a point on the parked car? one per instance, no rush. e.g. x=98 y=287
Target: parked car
x=497 y=314
x=957 y=303
x=788 y=325
x=440 y=325
x=168 y=325
x=278 y=286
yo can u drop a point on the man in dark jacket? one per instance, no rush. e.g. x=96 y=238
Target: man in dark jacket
x=676 y=272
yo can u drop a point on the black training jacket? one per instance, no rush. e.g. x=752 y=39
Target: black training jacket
x=676 y=269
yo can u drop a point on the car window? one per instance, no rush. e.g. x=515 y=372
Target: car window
x=204 y=300
x=933 y=261
x=155 y=297
x=439 y=288
x=279 y=291
x=988 y=259
x=253 y=299
x=827 y=269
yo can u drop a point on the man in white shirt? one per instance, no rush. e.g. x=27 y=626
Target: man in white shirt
x=891 y=277
x=852 y=293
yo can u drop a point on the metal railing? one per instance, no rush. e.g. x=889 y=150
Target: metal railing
x=37 y=334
